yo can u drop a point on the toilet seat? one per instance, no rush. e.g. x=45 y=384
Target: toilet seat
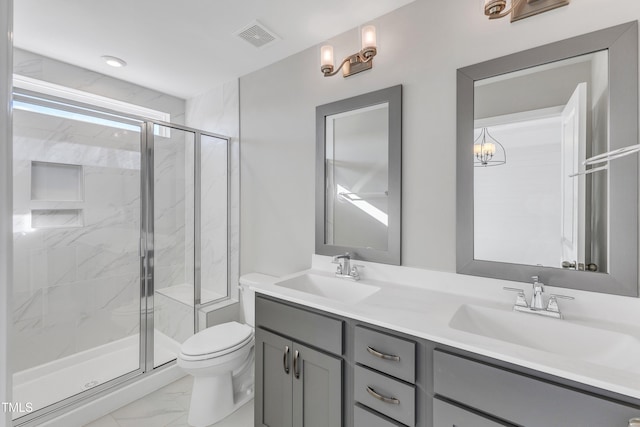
x=216 y=341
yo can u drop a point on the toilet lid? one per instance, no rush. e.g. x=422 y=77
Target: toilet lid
x=217 y=339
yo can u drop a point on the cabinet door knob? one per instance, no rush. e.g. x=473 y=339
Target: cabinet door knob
x=296 y=370
x=285 y=359
x=376 y=353
x=382 y=398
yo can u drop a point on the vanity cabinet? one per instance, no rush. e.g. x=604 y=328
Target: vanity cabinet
x=502 y=394
x=348 y=373
x=297 y=385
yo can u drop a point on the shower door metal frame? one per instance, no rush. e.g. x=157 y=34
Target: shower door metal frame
x=51 y=411
x=149 y=231
x=146 y=248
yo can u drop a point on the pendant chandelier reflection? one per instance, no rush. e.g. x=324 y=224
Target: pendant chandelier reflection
x=488 y=151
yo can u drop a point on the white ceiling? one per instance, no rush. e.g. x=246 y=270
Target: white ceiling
x=182 y=47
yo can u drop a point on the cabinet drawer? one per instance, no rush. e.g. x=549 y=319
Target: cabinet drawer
x=368 y=382
x=447 y=415
x=365 y=418
x=392 y=355
x=314 y=329
x=521 y=399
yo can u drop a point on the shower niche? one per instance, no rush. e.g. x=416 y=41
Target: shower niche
x=57 y=195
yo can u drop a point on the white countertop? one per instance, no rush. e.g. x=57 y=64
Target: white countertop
x=421 y=303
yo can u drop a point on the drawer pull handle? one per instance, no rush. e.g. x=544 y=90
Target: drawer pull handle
x=382 y=398
x=376 y=353
x=296 y=369
x=285 y=359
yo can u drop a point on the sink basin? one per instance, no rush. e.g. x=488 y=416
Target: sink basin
x=561 y=337
x=330 y=287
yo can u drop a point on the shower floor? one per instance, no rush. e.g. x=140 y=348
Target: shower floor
x=55 y=381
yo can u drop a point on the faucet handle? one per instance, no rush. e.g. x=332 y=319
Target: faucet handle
x=354 y=273
x=521 y=299
x=561 y=296
x=552 y=305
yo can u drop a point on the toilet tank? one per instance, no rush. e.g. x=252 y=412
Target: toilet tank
x=247 y=296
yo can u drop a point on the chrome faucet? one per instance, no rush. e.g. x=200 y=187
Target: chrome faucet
x=345 y=269
x=537 y=301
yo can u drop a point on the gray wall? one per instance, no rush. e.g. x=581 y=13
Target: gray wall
x=420 y=47
x=6 y=214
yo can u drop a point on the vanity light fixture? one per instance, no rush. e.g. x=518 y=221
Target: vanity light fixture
x=488 y=151
x=520 y=9
x=114 y=61
x=355 y=63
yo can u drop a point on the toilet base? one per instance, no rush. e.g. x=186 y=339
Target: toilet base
x=212 y=399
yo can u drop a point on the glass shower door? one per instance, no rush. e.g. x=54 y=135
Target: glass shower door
x=172 y=290
x=77 y=222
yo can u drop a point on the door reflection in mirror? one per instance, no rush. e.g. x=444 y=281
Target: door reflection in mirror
x=535 y=210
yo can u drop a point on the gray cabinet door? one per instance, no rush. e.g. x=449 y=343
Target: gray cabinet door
x=522 y=399
x=447 y=415
x=273 y=403
x=317 y=388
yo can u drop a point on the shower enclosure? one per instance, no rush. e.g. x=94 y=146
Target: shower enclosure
x=120 y=235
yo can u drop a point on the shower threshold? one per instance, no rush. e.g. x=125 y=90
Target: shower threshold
x=55 y=381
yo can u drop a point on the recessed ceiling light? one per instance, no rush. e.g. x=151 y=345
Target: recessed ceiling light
x=114 y=62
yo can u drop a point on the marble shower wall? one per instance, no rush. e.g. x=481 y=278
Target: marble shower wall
x=218 y=111
x=214 y=219
x=173 y=212
x=77 y=287
x=73 y=283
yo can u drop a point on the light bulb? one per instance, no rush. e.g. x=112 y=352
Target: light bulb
x=368 y=36
x=114 y=62
x=489 y=148
x=326 y=55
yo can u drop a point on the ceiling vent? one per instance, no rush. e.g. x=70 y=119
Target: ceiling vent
x=257 y=34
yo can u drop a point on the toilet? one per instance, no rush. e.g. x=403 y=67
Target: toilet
x=220 y=358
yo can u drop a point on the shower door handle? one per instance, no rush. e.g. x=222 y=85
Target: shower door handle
x=285 y=359
x=142 y=246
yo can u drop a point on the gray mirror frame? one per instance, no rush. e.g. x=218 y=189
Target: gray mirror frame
x=622 y=279
x=392 y=95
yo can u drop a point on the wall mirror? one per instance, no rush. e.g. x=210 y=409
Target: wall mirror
x=527 y=203
x=358 y=176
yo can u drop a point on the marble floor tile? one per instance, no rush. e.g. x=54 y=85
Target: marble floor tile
x=106 y=421
x=168 y=407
